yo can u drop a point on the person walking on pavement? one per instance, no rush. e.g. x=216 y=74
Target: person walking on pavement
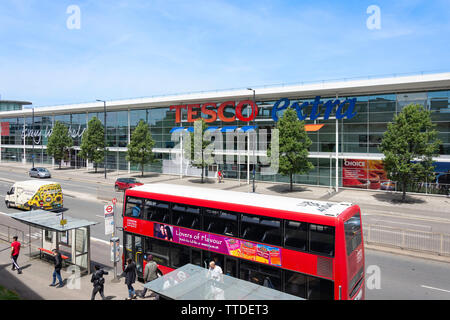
x=215 y=272
x=15 y=250
x=98 y=281
x=219 y=176
x=150 y=272
x=130 y=278
x=57 y=271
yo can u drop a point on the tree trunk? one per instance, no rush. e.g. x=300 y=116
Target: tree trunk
x=203 y=166
x=290 y=179
x=404 y=192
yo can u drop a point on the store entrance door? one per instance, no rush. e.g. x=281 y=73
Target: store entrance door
x=75 y=160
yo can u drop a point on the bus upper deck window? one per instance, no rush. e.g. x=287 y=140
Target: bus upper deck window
x=133 y=208
x=186 y=216
x=321 y=239
x=296 y=235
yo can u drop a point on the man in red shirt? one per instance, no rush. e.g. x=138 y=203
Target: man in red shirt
x=15 y=249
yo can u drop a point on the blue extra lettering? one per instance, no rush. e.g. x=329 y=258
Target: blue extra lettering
x=277 y=108
x=299 y=109
x=329 y=106
x=349 y=112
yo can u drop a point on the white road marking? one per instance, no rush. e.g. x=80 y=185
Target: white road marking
x=103 y=241
x=432 y=288
x=409 y=216
x=403 y=223
x=36 y=235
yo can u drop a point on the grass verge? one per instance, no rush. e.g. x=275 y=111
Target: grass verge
x=6 y=294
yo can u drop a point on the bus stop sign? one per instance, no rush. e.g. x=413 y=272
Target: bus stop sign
x=109 y=210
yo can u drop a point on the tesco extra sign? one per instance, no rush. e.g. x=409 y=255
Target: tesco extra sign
x=213 y=111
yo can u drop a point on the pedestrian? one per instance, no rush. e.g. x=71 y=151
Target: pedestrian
x=57 y=271
x=98 y=281
x=15 y=250
x=219 y=176
x=130 y=278
x=150 y=272
x=215 y=272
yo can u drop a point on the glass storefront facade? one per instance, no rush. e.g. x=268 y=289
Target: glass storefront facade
x=358 y=137
x=6 y=105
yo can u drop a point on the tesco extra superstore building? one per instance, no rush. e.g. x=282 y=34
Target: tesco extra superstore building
x=350 y=113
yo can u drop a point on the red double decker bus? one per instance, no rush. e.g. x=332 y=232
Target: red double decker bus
x=311 y=249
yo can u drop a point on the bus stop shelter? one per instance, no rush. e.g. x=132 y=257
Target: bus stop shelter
x=192 y=282
x=59 y=230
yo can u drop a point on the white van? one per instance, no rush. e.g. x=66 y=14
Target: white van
x=34 y=194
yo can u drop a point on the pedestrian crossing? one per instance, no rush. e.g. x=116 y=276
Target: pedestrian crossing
x=35 y=235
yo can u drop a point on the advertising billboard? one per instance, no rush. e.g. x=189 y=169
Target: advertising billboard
x=221 y=244
x=365 y=174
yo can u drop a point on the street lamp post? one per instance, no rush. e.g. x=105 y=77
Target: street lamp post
x=254 y=128
x=32 y=135
x=104 y=132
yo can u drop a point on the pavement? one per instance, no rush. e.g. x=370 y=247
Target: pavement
x=33 y=282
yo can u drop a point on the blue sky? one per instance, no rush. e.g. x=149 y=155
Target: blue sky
x=132 y=48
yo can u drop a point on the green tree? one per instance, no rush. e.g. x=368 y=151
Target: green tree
x=293 y=145
x=140 y=147
x=198 y=149
x=59 y=142
x=93 y=142
x=409 y=145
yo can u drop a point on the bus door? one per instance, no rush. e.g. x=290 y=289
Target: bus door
x=209 y=256
x=133 y=250
x=128 y=245
x=139 y=255
x=231 y=267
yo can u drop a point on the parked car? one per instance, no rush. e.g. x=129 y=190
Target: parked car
x=126 y=183
x=39 y=173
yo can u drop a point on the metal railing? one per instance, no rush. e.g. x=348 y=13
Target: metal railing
x=414 y=240
x=29 y=239
x=7 y=233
